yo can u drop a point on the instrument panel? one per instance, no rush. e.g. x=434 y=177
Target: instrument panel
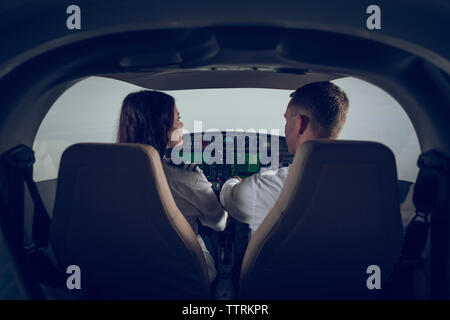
x=222 y=155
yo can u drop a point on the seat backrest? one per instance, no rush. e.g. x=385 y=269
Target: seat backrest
x=337 y=214
x=115 y=218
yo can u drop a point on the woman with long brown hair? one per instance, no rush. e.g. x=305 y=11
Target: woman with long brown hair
x=152 y=118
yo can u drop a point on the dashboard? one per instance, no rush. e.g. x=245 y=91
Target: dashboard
x=222 y=154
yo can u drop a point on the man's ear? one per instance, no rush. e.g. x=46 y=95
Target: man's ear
x=303 y=123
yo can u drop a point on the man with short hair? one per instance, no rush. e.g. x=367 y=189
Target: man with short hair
x=315 y=111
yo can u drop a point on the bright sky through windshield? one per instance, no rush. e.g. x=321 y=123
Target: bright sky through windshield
x=89 y=111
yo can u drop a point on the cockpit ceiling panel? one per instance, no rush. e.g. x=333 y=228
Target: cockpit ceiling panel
x=182 y=80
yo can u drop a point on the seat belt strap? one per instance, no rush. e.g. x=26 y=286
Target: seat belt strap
x=22 y=158
x=434 y=197
x=434 y=167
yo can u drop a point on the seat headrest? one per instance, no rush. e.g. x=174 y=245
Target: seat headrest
x=315 y=160
x=115 y=217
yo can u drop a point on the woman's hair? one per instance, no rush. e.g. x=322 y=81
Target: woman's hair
x=146 y=117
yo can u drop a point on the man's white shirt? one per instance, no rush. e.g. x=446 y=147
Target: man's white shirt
x=251 y=199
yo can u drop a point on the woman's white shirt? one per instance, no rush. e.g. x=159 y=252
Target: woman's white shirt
x=194 y=196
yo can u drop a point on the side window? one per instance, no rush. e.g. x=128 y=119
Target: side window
x=375 y=116
x=87 y=112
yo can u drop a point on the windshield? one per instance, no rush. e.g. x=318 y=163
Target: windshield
x=89 y=112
